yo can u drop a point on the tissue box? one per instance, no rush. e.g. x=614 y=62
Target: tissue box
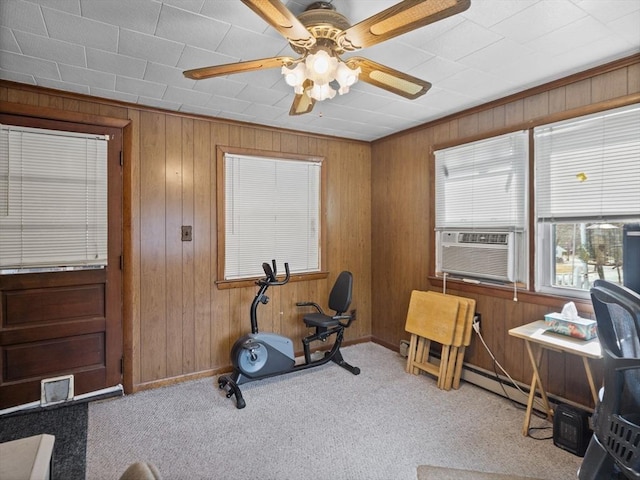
x=581 y=328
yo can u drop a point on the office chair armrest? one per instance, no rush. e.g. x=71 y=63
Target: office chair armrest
x=310 y=304
x=622 y=364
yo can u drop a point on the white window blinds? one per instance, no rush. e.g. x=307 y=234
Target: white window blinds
x=589 y=168
x=483 y=184
x=272 y=211
x=53 y=199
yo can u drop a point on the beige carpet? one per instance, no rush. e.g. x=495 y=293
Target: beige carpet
x=319 y=424
x=426 y=472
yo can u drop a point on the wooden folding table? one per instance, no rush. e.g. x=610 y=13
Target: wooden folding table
x=537 y=338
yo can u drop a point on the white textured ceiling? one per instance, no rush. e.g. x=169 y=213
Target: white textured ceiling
x=135 y=51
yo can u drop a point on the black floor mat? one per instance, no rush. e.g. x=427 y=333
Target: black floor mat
x=68 y=423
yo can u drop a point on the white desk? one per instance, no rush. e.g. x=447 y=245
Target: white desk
x=27 y=458
x=537 y=339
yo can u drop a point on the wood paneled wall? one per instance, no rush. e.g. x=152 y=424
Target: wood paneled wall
x=177 y=323
x=402 y=222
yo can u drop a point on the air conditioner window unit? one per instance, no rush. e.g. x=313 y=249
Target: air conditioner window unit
x=488 y=255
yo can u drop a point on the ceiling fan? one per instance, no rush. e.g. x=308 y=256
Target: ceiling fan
x=320 y=35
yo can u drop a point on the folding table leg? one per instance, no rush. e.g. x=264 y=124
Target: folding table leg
x=451 y=367
x=444 y=366
x=411 y=356
x=458 y=370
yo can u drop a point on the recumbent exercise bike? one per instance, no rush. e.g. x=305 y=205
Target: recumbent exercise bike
x=260 y=355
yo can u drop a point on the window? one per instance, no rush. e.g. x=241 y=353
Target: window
x=587 y=195
x=271 y=211
x=481 y=214
x=53 y=199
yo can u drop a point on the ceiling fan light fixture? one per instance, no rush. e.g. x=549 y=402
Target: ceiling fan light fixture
x=322 y=92
x=321 y=67
x=295 y=76
x=346 y=77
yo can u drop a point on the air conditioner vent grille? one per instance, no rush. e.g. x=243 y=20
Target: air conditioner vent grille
x=478 y=254
x=484 y=238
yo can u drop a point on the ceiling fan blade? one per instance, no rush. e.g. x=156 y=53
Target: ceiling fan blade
x=240 y=67
x=398 y=19
x=389 y=79
x=276 y=14
x=303 y=103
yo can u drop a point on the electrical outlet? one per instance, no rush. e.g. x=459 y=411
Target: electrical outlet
x=187 y=233
x=476 y=322
x=404 y=348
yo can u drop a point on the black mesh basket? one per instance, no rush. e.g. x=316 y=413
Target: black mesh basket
x=623 y=441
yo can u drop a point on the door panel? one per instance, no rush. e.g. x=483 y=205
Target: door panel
x=67 y=354
x=33 y=306
x=53 y=324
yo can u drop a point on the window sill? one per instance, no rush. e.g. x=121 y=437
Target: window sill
x=16 y=271
x=506 y=292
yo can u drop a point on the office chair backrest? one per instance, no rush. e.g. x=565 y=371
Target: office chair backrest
x=340 y=296
x=617 y=312
x=615 y=445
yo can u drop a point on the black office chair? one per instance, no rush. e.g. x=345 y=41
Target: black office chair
x=326 y=325
x=614 y=449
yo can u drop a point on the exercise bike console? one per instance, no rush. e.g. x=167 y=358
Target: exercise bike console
x=260 y=355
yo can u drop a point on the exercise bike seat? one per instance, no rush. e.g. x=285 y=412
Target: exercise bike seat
x=319 y=320
x=339 y=301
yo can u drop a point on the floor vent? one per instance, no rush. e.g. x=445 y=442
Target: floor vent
x=56 y=390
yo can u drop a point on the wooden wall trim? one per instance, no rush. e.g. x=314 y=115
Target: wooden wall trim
x=576 y=77
x=61 y=115
x=543 y=120
x=142 y=107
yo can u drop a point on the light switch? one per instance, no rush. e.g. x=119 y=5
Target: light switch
x=187 y=233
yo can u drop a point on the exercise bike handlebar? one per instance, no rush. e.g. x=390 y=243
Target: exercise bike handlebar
x=270 y=280
x=271 y=274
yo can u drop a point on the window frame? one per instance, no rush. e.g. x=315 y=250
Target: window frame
x=521 y=232
x=221 y=151
x=545 y=237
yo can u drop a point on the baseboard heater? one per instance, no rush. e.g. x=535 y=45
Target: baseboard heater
x=498 y=384
x=487 y=380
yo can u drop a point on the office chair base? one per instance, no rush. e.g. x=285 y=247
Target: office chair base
x=598 y=464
